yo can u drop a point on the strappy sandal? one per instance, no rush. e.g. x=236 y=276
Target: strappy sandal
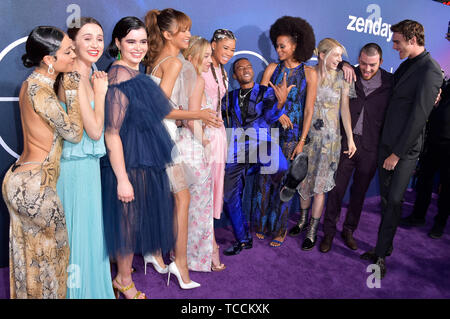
x=121 y=289
x=215 y=255
x=277 y=243
x=260 y=235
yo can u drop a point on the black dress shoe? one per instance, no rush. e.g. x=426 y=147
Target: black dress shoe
x=369 y=255
x=436 y=232
x=248 y=244
x=349 y=240
x=380 y=262
x=237 y=248
x=412 y=221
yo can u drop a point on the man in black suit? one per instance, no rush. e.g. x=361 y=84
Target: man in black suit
x=435 y=158
x=416 y=85
x=373 y=90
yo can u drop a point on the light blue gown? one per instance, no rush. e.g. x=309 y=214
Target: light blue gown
x=79 y=188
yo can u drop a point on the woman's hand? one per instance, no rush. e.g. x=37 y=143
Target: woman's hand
x=125 y=191
x=71 y=80
x=281 y=91
x=179 y=123
x=286 y=122
x=209 y=117
x=351 y=149
x=298 y=149
x=100 y=83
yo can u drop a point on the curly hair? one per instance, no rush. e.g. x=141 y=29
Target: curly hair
x=301 y=33
x=410 y=29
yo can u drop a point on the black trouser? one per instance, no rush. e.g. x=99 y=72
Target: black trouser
x=363 y=166
x=435 y=159
x=393 y=185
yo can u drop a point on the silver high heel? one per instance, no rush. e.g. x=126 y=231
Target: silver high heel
x=173 y=269
x=151 y=259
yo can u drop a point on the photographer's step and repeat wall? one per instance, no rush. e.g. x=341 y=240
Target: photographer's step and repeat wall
x=352 y=22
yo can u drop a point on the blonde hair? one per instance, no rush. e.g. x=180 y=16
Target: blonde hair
x=326 y=46
x=196 y=50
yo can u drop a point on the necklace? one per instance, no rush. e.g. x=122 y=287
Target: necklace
x=245 y=94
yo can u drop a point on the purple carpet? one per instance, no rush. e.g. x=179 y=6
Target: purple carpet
x=418 y=268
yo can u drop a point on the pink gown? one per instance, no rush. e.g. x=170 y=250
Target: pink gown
x=218 y=139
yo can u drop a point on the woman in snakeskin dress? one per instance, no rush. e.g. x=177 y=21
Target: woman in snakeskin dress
x=39 y=248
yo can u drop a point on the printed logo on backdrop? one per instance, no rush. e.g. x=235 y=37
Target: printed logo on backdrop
x=373 y=24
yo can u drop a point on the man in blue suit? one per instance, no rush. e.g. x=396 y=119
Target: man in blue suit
x=248 y=113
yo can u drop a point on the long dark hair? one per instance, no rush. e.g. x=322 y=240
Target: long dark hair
x=121 y=30
x=42 y=41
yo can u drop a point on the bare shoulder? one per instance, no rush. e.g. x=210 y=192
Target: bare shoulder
x=310 y=69
x=268 y=73
x=200 y=80
x=270 y=68
x=200 y=83
x=310 y=73
x=172 y=62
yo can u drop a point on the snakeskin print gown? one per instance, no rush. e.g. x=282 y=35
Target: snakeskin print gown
x=39 y=248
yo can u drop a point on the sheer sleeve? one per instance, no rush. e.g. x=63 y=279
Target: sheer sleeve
x=116 y=102
x=45 y=103
x=116 y=105
x=186 y=83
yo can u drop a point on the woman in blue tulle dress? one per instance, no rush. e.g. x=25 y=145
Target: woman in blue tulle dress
x=79 y=185
x=137 y=201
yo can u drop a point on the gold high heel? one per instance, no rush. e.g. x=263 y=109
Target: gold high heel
x=216 y=254
x=121 y=289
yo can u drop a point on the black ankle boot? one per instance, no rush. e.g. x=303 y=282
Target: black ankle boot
x=311 y=236
x=301 y=225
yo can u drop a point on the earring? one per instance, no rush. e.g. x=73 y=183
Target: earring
x=50 y=69
x=119 y=56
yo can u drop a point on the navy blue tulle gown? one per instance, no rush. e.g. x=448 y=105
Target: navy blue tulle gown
x=135 y=107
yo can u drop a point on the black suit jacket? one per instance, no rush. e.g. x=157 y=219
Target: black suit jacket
x=412 y=100
x=375 y=105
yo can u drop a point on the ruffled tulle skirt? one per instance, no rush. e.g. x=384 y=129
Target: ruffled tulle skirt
x=145 y=225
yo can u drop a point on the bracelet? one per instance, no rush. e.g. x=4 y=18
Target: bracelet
x=303 y=139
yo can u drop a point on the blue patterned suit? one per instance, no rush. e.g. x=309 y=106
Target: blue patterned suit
x=251 y=148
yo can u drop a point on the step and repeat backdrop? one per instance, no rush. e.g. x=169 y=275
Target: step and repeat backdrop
x=352 y=22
